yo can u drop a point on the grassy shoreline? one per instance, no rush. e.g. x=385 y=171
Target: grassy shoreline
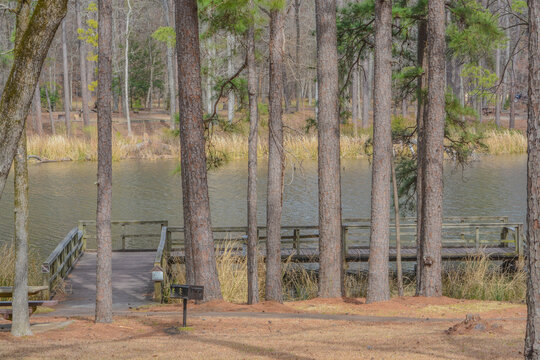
x=231 y=146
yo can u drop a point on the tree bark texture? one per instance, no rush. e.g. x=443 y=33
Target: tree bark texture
x=274 y=205
x=24 y=76
x=82 y=65
x=192 y=144
x=253 y=238
x=21 y=318
x=532 y=339
x=420 y=112
x=432 y=166
x=67 y=98
x=378 y=282
x=104 y=175
x=331 y=264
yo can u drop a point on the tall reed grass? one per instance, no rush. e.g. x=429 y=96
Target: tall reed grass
x=231 y=146
x=7 y=268
x=478 y=278
x=500 y=142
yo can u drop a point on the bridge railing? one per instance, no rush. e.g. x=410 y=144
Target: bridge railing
x=128 y=235
x=456 y=234
x=61 y=261
x=160 y=270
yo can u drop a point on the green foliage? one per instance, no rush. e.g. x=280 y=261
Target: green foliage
x=142 y=58
x=474 y=30
x=311 y=123
x=54 y=95
x=166 y=35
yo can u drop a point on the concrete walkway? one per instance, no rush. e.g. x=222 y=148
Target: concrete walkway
x=132 y=285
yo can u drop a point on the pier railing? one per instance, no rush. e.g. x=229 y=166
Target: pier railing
x=61 y=261
x=477 y=235
x=128 y=235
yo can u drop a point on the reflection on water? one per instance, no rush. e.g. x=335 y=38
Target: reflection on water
x=63 y=193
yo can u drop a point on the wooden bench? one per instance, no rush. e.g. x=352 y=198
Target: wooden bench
x=32 y=306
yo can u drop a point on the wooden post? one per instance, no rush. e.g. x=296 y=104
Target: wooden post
x=344 y=244
x=477 y=239
x=123 y=236
x=519 y=244
x=296 y=240
x=82 y=227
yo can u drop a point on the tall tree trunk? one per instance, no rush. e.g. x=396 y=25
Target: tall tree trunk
x=193 y=148
x=126 y=69
x=330 y=256
x=170 y=68
x=67 y=102
x=354 y=98
x=274 y=205
x=285 y=88
x=104 y=175
x=51 y=118
x=38 y=121
x=420 y=115
x=151 y=81
x=24 y=76
x=378 y=283
x=297 y=88
x=398 y=231
x=310 y=93
x=253 y=238
x=82 y=65
x=498 y=90
x=432 y=170
x=532 y=339
x=21 y=318
x=230 y=73
x=366 y=87
x=512 y=94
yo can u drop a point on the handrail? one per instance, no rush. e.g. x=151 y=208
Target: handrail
x=83 y=224
x=471 y=237
x=62 y=259
x=160 y=265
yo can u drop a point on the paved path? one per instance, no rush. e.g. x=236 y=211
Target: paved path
x=132 y=285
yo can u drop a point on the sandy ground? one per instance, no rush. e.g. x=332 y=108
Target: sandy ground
x=408 y=328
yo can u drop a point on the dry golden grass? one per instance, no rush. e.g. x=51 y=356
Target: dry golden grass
x=500 y=142
x=7 y=268
x=476 y=279
x=479 y=279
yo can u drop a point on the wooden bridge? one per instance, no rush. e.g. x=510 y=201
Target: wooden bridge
x=142 y=246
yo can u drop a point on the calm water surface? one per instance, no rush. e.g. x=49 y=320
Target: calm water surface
x=63 y=193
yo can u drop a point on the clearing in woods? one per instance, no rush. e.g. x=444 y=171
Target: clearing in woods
x=411 y=328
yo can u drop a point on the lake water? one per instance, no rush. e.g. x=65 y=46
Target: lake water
x=63 y=193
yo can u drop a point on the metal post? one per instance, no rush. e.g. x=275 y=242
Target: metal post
x=184 y=313
x=296 y=241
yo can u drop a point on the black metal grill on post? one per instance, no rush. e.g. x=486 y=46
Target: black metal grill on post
x=186 y=292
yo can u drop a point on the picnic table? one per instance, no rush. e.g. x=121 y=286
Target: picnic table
x=7 y=291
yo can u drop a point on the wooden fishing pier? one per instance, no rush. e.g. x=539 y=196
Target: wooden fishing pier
x=142 y=249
